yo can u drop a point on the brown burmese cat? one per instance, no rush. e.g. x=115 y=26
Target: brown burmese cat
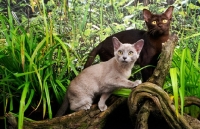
x=158 y=32
x=103 y=78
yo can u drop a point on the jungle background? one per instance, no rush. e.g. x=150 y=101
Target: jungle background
x=44 y=45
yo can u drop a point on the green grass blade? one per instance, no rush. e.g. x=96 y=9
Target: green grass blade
x=142 y=69
x=83 y=23
x=122 y=92
x=32 y=92
x=101 y=19
x=46 y=90
x=197 y=55
x=61 y=85
x=64 y=46
x=174 y=80
x=192 y=36
x=44 y=104
x=56 y=92
x=182 y=80
x=36 y=51
x=22 y=105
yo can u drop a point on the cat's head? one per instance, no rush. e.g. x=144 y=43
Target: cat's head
x=127 y=52
x=158 y=24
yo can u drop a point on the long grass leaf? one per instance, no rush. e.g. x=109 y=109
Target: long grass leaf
x=122 y=92
x=36 y=51
x=197 y=55
x=142 y=69
x=44 y=104
x=174 y=80
x=46 y=90
x=182 y=80
x=68 y=60
x=22 y=105
x=83 y=23
x=56 y=92
x=61 y=85
x=11 y=99
x=22 y=45
x=192 y=36
x=32 y=92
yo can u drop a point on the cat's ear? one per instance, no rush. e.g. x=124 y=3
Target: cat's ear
x=169 y=12
x=146 y=14
x=116 y=43
x=139 y=45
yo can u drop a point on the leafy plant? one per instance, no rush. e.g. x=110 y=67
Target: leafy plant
x=33 y=68
x=185 y=77
x=184 y=74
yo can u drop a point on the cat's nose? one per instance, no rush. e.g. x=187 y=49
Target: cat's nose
x=160 y=25
x=124 y=58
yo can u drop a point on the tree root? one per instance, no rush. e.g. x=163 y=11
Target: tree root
x=90 y=119
x=192 y=101
x=142 y=117
x=162 y=101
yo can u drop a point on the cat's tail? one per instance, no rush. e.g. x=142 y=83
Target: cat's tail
x=92 y=56
x=63 y=107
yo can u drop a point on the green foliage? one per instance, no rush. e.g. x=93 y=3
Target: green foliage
x=185 y=70
x=40 y=55
x=185 y=77
x=184 y=74
x=173 y=75
x=35 y=66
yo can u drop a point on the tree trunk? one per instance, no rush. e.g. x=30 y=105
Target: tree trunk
x=147 y=98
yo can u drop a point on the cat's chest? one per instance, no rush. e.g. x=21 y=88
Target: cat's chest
x=156 y=43
x=123 y=73
x=127 y=74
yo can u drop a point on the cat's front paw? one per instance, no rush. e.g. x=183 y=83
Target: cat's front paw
x=84 y=107
x=102 y=107
x=137 y=82
x=87 y=106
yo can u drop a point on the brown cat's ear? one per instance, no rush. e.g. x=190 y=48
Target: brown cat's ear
x=146 y=14
x=116 y=43
x=169 y=11
x=139 y=45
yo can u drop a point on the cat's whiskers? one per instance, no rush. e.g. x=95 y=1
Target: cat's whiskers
x=152 y=31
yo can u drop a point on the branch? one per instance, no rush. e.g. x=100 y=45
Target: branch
x=89 y=119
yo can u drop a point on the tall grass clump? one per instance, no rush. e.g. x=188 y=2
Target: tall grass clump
x=185 y=77
x=41 y=55
x=35 y=67
x=184 y=72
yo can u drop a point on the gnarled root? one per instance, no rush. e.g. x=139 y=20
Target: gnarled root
x=162 y=102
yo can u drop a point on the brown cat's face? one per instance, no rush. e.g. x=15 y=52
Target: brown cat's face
x=158 y=24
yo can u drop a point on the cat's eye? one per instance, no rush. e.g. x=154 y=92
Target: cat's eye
x=153 y=22
x=130 y=53
x=120 y=52
x=164 y=21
